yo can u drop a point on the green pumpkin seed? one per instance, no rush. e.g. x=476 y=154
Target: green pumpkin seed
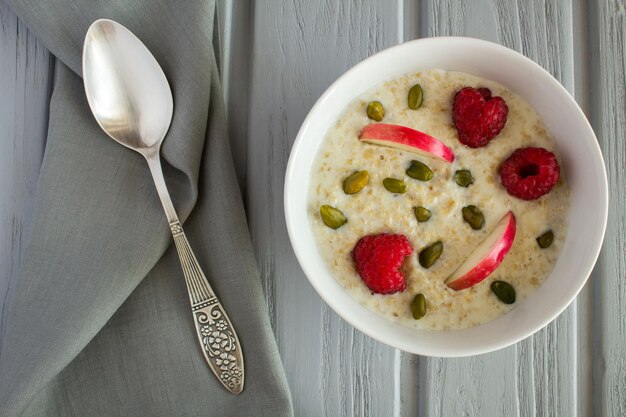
x=356 y=182
x=394 y=185
x=504 y=291
x=430 y=254
x=419 y=171
x=422 y=214
x=332 y=217
x=474 y=217
x=375 y=110
x=416 y=96
x=418 y=306
x=545 y=240
x=463 y=178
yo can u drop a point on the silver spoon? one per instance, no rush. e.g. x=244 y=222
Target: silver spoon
x=132 y=102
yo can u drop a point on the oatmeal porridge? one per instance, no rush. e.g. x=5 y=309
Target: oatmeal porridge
x=430 y=200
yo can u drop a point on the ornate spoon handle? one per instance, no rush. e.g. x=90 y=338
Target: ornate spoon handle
x=216 y=334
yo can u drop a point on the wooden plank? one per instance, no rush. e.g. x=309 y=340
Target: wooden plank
x=608 y=98
x=536 y=377
x=298 y=48
x=234 y=30
x=26 y=70
x=584 y=301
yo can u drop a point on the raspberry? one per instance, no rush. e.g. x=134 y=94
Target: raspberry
x=378 y=258
x=478 y=117
x=485 y=92
x=530 y=173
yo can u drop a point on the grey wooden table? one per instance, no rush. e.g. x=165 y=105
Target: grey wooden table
x=277 y=57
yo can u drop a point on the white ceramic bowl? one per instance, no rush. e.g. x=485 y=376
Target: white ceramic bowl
x=581 y=161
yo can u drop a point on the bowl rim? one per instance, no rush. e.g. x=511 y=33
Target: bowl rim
x=301 y=257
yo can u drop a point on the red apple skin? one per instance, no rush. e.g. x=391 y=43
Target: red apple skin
x=405 y=138
x=490 y=262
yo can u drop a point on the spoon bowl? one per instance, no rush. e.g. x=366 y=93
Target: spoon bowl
x=126 y=88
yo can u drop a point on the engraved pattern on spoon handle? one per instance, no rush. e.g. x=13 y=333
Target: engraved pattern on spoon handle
x=217 y=337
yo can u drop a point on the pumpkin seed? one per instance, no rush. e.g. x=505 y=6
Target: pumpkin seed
x=418 y=306
x=504 y=291
x=419 y=171
x=473 y=216
x=375 y=110
x=332 y=217
x=430 y=254
x=394 y=185
x=356 y=182
x=416 y=96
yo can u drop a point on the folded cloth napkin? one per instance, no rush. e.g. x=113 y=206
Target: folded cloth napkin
x=98 y=320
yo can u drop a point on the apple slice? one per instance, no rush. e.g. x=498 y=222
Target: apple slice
x=407 y=139
x=486 y=257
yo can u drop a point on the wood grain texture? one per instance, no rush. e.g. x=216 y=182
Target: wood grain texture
x=298 y=49
x=26 y=70
x=584 y=302
x=608 y=98
x=233 y=20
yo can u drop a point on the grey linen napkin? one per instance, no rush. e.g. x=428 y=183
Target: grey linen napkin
x=98 y=322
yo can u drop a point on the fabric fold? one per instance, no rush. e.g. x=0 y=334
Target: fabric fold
x=98 y=321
